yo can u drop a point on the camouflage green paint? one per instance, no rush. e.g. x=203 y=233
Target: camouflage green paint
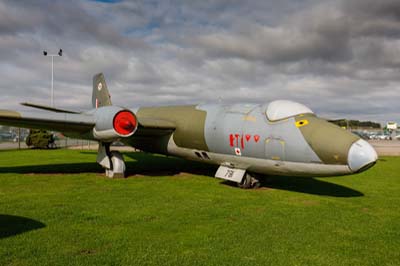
x=9 y=114
x=330 y=142
x=9 y=118
x=189 y=122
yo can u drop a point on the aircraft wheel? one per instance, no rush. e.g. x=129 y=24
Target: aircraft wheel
x=255 y=183
x=246 y=182
x=249 y=182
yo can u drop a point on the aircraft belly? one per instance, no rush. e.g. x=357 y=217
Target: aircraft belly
x=297 y=169
x=258 y=165
x=156 y=144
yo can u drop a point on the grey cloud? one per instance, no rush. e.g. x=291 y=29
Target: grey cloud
x=13 y=20
x=334 y=56
x=327 y=40
x=367 y=8
x=373 y=18
x=63 y=21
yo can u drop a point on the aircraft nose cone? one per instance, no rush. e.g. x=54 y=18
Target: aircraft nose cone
x=361 y=156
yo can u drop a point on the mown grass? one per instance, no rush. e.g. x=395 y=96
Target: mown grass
x=56 y=208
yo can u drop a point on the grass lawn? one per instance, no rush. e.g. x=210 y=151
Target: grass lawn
x=56 y=208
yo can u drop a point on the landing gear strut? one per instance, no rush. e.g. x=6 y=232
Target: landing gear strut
x=112 y=161
x=249 y=181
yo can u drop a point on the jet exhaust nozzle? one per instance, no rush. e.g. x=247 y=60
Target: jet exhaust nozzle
x=113 y=123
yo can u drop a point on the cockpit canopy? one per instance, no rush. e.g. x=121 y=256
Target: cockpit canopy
x=282 y=109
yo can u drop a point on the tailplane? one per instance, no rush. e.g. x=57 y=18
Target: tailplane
x=100 y=96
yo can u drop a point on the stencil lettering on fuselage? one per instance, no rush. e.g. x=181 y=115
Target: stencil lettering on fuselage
x=236 y=140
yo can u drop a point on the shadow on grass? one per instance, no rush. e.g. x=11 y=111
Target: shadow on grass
x=157 y=165
x=143 y=164
x=309 y=185
x=11 y=225
x=67 y=168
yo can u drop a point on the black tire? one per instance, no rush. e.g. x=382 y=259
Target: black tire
x=256 y=183
x=246 y=182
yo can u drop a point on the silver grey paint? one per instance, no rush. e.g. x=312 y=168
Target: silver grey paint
x=222 y=121
x=262 y=166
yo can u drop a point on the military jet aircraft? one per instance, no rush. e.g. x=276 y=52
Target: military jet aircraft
x=279 y=138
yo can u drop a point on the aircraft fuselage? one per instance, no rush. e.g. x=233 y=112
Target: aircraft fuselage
x=281 y=137
x=242 y=136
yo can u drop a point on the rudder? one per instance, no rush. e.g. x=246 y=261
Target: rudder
x=100 y=95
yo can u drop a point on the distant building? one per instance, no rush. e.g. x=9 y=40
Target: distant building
x=391 y=125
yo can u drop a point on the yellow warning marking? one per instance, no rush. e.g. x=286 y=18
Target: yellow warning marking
x=276 y=158
x=250 y=118
x=336 y=157
x=301 y=123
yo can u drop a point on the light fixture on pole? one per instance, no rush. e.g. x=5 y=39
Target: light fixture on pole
x=52 y=72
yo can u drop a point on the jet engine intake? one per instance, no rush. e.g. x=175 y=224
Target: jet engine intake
x=113 y=123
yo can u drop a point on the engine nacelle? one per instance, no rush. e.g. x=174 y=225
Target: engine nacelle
x=114 y=122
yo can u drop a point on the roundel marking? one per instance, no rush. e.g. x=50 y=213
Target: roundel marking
x=99 y=86
x=301 y=123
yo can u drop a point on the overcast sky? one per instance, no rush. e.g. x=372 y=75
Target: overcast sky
x=340 y=58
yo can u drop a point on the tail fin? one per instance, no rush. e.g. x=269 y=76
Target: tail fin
x=100 y=95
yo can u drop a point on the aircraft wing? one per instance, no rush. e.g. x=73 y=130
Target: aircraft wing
x=62 y=122
x=48 y=108
x=78 y=124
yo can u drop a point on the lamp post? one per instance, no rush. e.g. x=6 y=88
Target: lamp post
x=52 y=72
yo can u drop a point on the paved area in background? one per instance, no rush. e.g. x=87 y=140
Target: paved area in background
x=11 y=145
x=382 y=147
x=386 y=147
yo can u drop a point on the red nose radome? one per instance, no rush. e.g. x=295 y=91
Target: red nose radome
x=125 y=123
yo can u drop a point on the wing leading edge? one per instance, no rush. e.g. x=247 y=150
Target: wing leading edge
x=48 y=108
x=62 y=122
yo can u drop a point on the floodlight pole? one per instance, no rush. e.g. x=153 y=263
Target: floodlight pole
x=52 y=80
x=52 y=72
